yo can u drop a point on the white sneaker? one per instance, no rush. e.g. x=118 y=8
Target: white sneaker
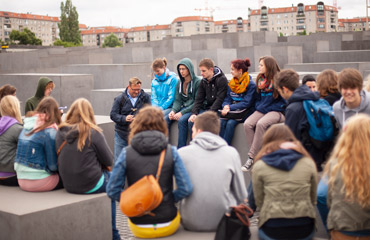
x=247 y=165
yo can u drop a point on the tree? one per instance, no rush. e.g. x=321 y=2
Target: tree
x=26 y=37
x=112 y=41
x=69 y=30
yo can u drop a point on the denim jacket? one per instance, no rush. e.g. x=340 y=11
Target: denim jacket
x=37 y=150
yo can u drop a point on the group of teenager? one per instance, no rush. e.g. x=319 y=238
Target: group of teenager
x=43 y=153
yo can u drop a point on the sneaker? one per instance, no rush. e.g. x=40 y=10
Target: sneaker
x=247 y=165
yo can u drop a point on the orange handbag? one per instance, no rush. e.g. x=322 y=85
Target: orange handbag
x=144 y=195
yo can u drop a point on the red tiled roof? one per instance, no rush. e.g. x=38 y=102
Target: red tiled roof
x=82 y=26
x=192 y=19
x=28 y=16
x=352 y=20
x=150 y=28
x=307 y=8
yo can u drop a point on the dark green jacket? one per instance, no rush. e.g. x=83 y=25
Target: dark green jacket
x=182 y=102
x=32 y=102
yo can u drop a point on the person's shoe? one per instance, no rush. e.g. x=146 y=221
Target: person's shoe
x=247 y=165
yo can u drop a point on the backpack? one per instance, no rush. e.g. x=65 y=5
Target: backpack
x=320 y=117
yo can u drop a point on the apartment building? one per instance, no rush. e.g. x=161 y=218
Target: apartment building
x=295 y=19
x=353 y=24
x=238 y=25
x=192 y=25
x=95 y=36
x=148 y=33
x=44 y=27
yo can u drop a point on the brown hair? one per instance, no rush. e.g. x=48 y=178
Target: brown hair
x=134 y=81
x=9 y=106
x=272 y=68
x=49 y=107
x=350 y=78
x=241 y=64
x=287 y=78
x=148 y=118
x=159 y=63
x=50 y=85
x=275 y=136
x=81 y=117
x=207 y=62
x=327 y=82
x=208 y=122
x=7 y=89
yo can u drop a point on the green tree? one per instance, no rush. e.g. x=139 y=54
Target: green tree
x=26 y=37
x=69 y=30
x=112 y=41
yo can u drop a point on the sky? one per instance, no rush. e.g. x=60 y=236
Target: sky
x=133 y=13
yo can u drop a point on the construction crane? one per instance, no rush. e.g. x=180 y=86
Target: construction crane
x=260 y=3
x=209 y=11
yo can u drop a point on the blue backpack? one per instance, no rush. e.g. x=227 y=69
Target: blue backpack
x=320 y=117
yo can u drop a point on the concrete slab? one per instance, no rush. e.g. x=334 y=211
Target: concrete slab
x=53 y=215
x=342 y=56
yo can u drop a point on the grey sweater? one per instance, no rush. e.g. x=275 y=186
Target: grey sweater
x=342 y=113
x=8 y=147
x=214 y=170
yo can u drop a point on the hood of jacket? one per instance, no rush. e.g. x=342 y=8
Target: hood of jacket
x=283 y=159
x=40 y=91
x=208 y=141
x=189 y=65
x=29 y=123
x=303 y=93
x=70 y=134
x=5 y=123
x=166 y=74
x=149 y=142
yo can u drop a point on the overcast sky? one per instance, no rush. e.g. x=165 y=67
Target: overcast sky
x=131 y=13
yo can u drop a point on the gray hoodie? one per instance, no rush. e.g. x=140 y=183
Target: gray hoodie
x=214 y=170
x=342 y=113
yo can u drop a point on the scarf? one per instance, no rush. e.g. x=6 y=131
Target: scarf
x=239 y=85
x=262 y=84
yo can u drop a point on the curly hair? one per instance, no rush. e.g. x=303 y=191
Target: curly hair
x=350 y=160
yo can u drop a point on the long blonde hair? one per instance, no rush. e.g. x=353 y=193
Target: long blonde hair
x=81 y=117
x=351 y=156
x=9 y=106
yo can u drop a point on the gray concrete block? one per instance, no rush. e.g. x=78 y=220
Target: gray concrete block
x=347 y=37
x=100 y=58
x=68 y=87
x=112 y=75
x=53 y=215
x=206 y=44
x=322 y=46
x=131 y=55
x=102 y=100
x=342 y=56
x=107 y=125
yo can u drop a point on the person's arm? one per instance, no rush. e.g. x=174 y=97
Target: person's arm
x=50 y=150
x=221 y=93
x=248 y=101
x=228 y=100
x=291 y=120
x=115 y=115
x=102 y=150
x=238 y=184
x=314 y=185
x=258 y=186
x=117 y=179
x=28 y=107
x=153 y=94
x=171 y=93
x=199 y=99
x=183 y=183
x=178 y=100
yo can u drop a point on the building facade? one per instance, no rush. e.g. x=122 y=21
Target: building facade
x=95 y=36
x=238 y=25
x=353 y=24
x=148 y=33
x=192 y=25
x=44 y=27
x=295 y=20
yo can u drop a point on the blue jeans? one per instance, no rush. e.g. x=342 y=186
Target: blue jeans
x=227 y=129
x=322 y=193
x=190 y=124
x=119 y=144
x=262 y=235
x=251 y=201
x=102 y=189
x=166 y=111
x=183 y=128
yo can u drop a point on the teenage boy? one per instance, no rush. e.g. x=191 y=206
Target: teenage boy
x=354 y=99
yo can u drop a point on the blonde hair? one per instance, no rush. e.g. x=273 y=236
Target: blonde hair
x=159 y=63
x=148 y=118
x=81 y=117
x=9 y=106
x=352 y=158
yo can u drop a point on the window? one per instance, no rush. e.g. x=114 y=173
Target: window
x=301 y=27
x=320 y=7
x=179 y=24
x=264 y=23
x=321 y=26
x=300 y=21
x=321 y=20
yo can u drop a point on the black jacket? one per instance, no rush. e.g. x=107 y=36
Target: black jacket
x=81 y=171
x=122 y=107
x=211 y=94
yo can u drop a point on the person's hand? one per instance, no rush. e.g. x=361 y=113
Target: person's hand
x=171 y=114
x=225 y=110
x=129 y=118
x=192 y=118
x=177 y=116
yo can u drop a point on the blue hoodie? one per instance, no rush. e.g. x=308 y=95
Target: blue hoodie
x=283 y=159
x=163 y=89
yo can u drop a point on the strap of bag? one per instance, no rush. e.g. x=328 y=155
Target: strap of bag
x=160 y=164
x=243 y=212
x=61 y=147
